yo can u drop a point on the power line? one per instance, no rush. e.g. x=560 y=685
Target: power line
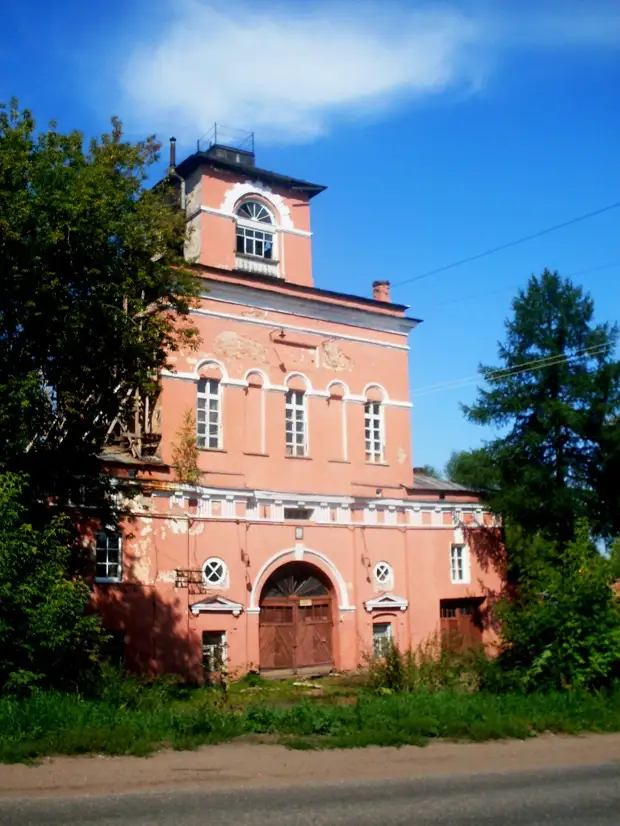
x=487 y=293
x=509 y=244
x=497 y=375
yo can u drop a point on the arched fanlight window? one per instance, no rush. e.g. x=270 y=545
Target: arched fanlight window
x=254 y=242
x=254 y=211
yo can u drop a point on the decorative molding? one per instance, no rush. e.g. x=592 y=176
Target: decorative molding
x=386 y=602
x=216 y=605
x=294 y=554
x=241 y=190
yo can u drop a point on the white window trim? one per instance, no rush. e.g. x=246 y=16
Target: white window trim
x=388 y=582
x=220 y=407
x=370 y=423
x=225 y=579
x=294 y=407
x=110 y=579
x=466 y=577
x=268 y=228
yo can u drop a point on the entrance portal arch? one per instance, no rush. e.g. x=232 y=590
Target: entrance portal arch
x=296 y=619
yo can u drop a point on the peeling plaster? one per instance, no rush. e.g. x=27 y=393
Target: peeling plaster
x=167 y=576
x=178 y=526
x=401 y=456
x=197 y=528
x=232 y=346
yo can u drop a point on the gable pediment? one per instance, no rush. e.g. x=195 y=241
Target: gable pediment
x=217 y=605
x=386 y=602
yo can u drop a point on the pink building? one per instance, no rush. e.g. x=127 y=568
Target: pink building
x=308 y=540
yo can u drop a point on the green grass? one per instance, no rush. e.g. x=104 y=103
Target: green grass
x=138 y=720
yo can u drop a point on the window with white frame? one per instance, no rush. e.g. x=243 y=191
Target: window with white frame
x=251 y=239
x=215 y=572
x=214 y=651
x=384 y=574
x=373 y=431
x=209 y=414
x=296 y=423
x=381 y=638
x=459 y=563
x=108 y=557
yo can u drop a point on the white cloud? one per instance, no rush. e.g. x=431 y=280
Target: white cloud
x=288 y=69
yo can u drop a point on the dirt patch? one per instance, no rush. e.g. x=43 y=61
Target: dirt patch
x=245 y=764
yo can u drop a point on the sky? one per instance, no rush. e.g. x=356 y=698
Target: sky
x=442 y=130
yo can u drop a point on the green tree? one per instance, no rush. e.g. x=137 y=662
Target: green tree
x=47 y=637
x=562 y=628
x=557 y=397
x=93 y=299
x=472 y=468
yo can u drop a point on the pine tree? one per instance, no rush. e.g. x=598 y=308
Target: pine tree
x=557 y=396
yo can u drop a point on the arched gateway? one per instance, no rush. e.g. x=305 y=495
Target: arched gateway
x=296 y=624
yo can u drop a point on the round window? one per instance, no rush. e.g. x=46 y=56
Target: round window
x=383 y=573
x=214 y=571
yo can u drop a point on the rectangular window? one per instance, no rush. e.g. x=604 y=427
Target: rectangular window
x=298 y=514
x=108 y=557
x=214 y=651
x=381 y=638
x=296 y=441
x=209 y=415
x=373 y=431
x=459 y=563
x=254 y=242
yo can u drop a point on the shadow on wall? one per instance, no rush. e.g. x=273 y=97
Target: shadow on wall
x=155 y=629
x=487 y=546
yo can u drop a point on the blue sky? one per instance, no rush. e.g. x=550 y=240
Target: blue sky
x=441 y=129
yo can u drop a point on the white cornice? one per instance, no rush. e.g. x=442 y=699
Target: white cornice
x=307 y=307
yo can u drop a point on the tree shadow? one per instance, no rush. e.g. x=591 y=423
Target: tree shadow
x=154 y=621
x=488 y=547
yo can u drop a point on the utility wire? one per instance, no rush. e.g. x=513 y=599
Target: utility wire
x=509 y=244
x=498 y=375
x=487 y=293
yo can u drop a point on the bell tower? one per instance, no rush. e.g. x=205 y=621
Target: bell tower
x=244 y=219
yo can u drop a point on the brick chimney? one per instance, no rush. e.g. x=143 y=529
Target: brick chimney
x=381 y=290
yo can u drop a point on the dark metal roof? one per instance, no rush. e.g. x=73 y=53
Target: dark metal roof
x=186 y=167
x=421 y=481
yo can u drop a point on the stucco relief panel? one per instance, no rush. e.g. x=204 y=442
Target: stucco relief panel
x=333 y=357
x=233 y=347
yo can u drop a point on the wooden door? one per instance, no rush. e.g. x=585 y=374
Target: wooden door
x=461 y=623
x=277 y=636
x=313 y=629
x=295 y=624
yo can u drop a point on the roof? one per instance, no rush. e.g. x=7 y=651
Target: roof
x=421 y=481
x=191 y=163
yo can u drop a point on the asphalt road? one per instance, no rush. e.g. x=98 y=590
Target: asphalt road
x=553 y=797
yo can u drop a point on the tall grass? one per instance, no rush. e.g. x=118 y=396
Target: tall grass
x=144 y=719
x=432 y=666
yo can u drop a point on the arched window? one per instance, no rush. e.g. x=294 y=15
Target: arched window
x=296 y=423
x=209 y=414
x=253 y=235
x=374 y=431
